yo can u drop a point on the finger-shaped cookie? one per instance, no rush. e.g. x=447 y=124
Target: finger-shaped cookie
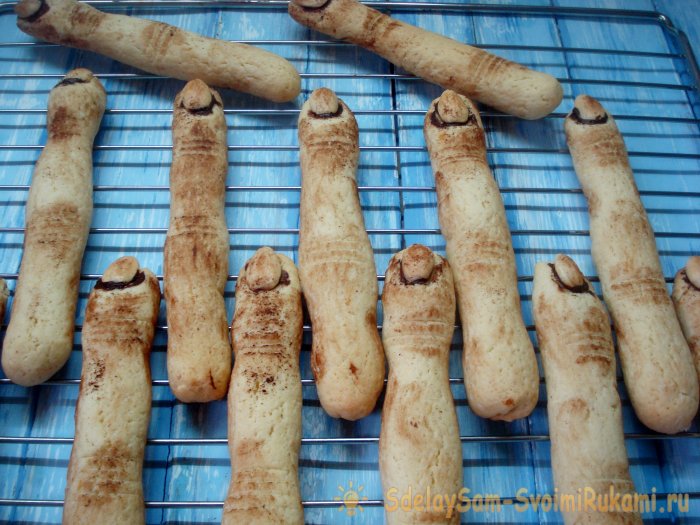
x=4 y=296
x=583 y=405
x=656 y=361
x=160 y=48
x=419 y=445
x=264 y=402
x=473 y=72
x=39 y=337
x=114 y=404
x=336 y=262
x=500 y=369
x=196 y=248
x=686 y=298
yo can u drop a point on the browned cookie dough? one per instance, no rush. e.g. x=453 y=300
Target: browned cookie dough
x=114 y=404
x=160 y=48
x=196 y=249
x=39 y=337
x=656 y=361
x=500 y=369
x=473 y=72
x=264 y=401
x=336 y=262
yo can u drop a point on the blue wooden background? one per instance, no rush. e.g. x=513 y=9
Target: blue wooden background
x=545 y=210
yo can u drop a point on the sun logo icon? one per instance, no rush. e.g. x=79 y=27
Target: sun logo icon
x=350 y=499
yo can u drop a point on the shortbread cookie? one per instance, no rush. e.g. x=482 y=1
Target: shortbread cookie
x=419 y=447
x=39 y=337
x=264 y=402
x=473 y=72
x=656 y=361
x=336 y=262
x=4 y=296
x=500 y=369
x=686 y=297
x=160 y=48
x=583 y=405
x=196 y=249
x=114 y=404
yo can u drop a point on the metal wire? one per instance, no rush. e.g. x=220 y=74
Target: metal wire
x=385 y=76
x=284 y=147
x=370 y=440
x=95 y=276
x=660 y=496
x=368 y=189
x=337 y=43
x=371 y=231
x=295 y=112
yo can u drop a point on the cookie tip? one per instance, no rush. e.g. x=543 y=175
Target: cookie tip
x=310 y=3
x=27 y=8
x=324 y=101
x=417 y=263
x=81 y=74
x=263 y=270
x=692 y=270
x=123 y=270
x=589 y=109
x=452 y=108
x=196 y=95
x=568 y=271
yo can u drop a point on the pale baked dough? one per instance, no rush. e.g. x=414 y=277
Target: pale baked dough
x=500 y=368
x=336 y=261
x=505 y=85
x=39 y=337
x=583 y=405
x=264 y=402
x=196 y=249
x=4 y=296
x=160 y=48
x=686 y=298
x=114 y=404
x=419 y=445
x=656 y=361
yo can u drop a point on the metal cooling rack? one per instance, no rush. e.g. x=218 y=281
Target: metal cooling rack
x=679 y=242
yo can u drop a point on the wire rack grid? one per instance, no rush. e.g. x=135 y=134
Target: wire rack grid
x=636 y=62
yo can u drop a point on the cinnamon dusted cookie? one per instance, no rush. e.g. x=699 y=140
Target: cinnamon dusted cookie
x=419 y=446
x=500 y=369
x=336 y=261
x=114 y=404
x=583 y=405
x=160 y=48
x=39 y=338
x=196 y=249
x=656 y=361
x=686 y=298
x=505 y=85
x=264 y=401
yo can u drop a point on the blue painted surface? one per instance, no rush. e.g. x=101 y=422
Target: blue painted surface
x=200 y=472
